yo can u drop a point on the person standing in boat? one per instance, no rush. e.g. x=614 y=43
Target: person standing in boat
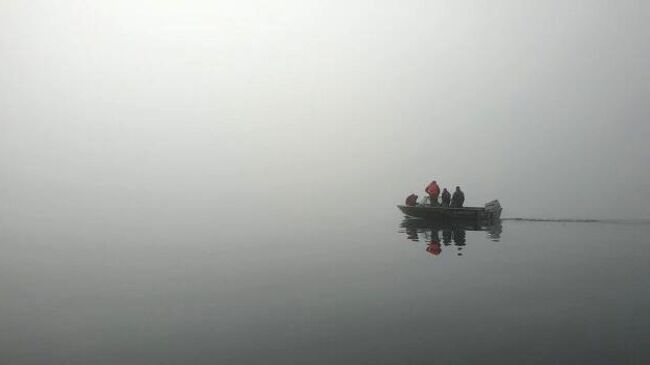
x=458 y=198
x=433 y=190
x=445 y=197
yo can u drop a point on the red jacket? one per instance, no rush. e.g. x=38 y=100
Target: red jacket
x=411 y=200
x=433 y=190
x=434 y=248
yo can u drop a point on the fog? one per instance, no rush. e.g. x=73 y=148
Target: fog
x=113 y=110
x=217 y=180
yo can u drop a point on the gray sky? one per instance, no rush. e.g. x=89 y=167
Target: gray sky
x=542 y=104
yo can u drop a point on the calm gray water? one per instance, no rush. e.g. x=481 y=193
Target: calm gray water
x=158 y=283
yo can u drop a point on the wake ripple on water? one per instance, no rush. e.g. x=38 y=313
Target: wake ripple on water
x=580 y=220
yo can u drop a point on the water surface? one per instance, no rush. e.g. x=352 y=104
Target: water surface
x=255 y=286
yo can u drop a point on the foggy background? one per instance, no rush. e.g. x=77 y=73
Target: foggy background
x=217 y=181
x=115 y=111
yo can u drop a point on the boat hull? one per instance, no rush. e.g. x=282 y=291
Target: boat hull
x=490 y=213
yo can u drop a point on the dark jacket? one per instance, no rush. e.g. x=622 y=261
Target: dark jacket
x=445 y=197
x=457 y=199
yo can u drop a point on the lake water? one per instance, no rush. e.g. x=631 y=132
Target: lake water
x=174 y=285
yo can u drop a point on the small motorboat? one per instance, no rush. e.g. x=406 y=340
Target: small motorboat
x=491 y=212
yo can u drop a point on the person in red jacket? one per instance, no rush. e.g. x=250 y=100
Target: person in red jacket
x=433 y=190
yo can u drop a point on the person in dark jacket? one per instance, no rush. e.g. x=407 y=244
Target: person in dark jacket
x=445 y=197
x=458 y=198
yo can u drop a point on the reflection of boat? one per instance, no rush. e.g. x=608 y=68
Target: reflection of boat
x=426 y=225
x=491 y=212
x=430 y=232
